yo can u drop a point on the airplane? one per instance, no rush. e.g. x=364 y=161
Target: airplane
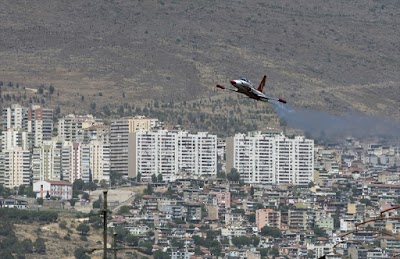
x=246 y=87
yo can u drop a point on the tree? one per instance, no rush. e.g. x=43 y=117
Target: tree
x=149 y=190
x=80 y=253
x=121 y=233
x=271 y=231
x=72 y=202
x=263 y=252
x=197 y=251
x=138 y=177
x=96 y=204
x=5 y=192
x=251 y=217
x=132 y=240
x=78 y=185
x=319 y=232
x=106 y=110
x=124 y=210
x=40 y=201
x=274 y=251
x=153 y=178
x=40 y=246
x=160 y=178
x=28 y=191
x=83 y=228
x=6 y=254
x=146 y=247
x=221 y=174
x=161 y=255
x=27 y=246
x=116 y=178
x=252 y=192
x=90 y=186
x=51 y=89
x=57 y=110
x=85 y=196
x=233 y=175
x=366 y=202
x=241 y=241
x=93 y=108
x=63 y=224
x=175 y=242
x=21 y=189
x=96 y=221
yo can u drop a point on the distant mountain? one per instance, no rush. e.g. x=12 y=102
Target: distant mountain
x=334 y=56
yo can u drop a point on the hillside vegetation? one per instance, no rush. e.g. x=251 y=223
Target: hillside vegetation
x=335 y=57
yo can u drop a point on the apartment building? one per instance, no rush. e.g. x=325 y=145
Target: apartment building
x=46 y=161
x=36 y=120
x=72 y=127
x=75 y=162
x=298 y=219
x=271 y=158
x=99 y=161
x=120 y=131
x=268 y=217
x=40 y=123
x=14 y=117
x=15 y=138
x=98 y=133
x=15 y=167
x=170 y=153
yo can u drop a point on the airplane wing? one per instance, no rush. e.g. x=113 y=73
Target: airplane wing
x=265 y=97
x=226 y=88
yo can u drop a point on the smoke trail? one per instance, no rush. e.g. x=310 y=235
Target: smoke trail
x=327 y=126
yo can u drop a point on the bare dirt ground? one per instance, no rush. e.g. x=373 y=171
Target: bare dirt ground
x=115 y=197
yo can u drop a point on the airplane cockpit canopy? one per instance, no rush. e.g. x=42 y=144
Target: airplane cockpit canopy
x=246 y=80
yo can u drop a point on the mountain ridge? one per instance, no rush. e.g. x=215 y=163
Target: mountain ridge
x=336 y=57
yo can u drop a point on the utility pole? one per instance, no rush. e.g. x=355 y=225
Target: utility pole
x=105 y=224
x=115 y=244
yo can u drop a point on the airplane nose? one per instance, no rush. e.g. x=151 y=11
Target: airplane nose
x=233 y=82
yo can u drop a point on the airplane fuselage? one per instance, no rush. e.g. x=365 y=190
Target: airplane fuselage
x=246 y=88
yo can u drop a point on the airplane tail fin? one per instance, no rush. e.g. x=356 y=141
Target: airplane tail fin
x=262 y=84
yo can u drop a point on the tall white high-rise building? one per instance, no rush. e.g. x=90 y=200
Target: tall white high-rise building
x=120 y=130
x=15 y=167
x=271 y=158
x=35 y=120
x=46 y=162
x=197 y=153
x=14 y=117
x=72 y=127
x=15 y=138
x=172 y=152
x=99 y=161
x=75 y=161
x=40 y=123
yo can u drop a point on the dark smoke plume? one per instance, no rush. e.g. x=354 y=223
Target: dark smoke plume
x=322 y=125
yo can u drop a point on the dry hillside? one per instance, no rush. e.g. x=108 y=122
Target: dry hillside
x=334 y=56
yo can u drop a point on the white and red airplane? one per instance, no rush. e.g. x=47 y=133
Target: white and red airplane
x=246 y=87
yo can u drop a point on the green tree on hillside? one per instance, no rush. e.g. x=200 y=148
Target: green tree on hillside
x=233 y=175
x=40 y=246
x=83 y=229
x=271 y=231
